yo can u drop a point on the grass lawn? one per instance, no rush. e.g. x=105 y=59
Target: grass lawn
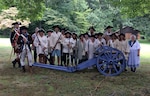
x=46 y=82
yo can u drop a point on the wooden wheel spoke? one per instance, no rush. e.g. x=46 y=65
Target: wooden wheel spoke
x=115 y=55
x=102 y=58
x=115 y=68
x=117 y=60
x=105 y=54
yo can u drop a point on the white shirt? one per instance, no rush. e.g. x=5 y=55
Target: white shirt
x=49 y=39
x=56 y=37
x=108 y=33
x=43 y=43
x=65 y=43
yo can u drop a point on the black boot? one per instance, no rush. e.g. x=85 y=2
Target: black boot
x=134 y=69
x=14 y=63
x=23 y=69
x=19 y=64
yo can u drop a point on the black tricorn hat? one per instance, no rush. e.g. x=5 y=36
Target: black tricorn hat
x=56 y=26
x=86 y=34
x=74 y=33
x=67 y=32
x=41 y=30
x=108 y=27
x=92 y=36
x=50 y=30
x=16 y=23
x=64 y=29
x=23 y=28
x=81 y=35
x=100 y=34
x=122 y=35
x=92 y=28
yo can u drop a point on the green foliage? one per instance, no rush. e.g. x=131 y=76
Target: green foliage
x=79 y=15
x=28 y=9
x=133 y=8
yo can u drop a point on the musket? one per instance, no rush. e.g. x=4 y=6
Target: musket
x=15 y=34
x=56 y=44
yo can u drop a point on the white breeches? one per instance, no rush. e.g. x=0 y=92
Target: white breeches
x=25 y=54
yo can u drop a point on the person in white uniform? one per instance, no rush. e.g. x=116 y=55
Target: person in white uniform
x=68 y=45
x=49 y=37
x=89 y=48
x=33 y=47
x=74 y=53
x=56 y=44
x=25 y=40
x=108 y=31
x=100 y=41
x=91 y=31
x=41 y=44
x=109 y=41
x=81 y=49
x=134 y=56
x=115 y=41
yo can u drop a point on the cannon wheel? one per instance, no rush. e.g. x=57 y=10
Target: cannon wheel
x=110 y=61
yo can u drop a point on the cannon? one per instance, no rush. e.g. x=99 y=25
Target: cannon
x=109 y=62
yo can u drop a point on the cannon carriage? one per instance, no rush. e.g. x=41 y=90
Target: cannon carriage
x=109 y=62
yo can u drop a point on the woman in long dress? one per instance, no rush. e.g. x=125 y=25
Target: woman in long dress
x=134 y=56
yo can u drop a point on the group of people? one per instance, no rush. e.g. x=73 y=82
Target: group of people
x=67 y=47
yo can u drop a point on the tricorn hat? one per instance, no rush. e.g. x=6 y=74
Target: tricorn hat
x=67 y=32
x=50 y=30
x=92 y=36
x=23 y=28
x=81 y=35
x=16 y=23
x=56 y=26
x=92 y=28
x=64 y=29
x=108 y=27
x=74 y=33
x=41 y=30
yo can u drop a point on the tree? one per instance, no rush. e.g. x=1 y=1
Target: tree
x=28 y=9
x=133 y=8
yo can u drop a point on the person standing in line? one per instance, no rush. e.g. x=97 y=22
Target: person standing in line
x=91 y=31
x=134 y=55
x=49 y=38
x=74 y=53
x=13 y=39
x=33 y=47
x=100 y=41
x=109 y=41
x=25 y=40
x=108 y=31
x=56 y=44
x=81 y=49
x=115 y=41
x=63 y=30
x=41 y=45
x=86 y=37
x=68 y=44
x=89 y=48
x=123 y=46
